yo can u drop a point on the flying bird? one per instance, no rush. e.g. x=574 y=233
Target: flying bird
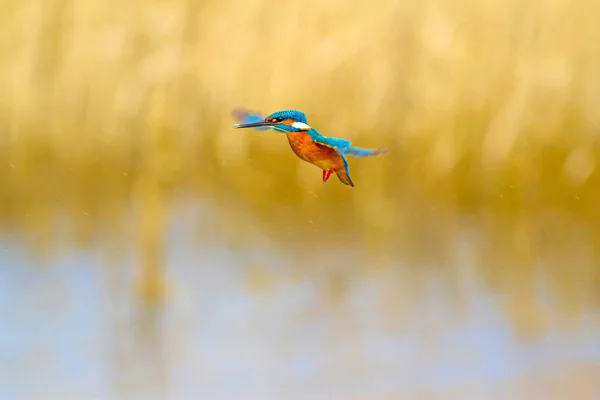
x=327 y=153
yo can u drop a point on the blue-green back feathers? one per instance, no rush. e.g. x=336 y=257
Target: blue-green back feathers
x=336 y=143
x=343 y=146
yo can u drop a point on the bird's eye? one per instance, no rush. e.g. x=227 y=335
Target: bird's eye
x=279 y=119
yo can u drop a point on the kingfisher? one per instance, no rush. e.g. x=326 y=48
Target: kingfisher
x=327 y=153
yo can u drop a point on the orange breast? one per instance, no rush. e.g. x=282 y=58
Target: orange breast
x=323 y=157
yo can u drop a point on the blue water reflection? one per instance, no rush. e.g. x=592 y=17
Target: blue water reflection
x=73 y=329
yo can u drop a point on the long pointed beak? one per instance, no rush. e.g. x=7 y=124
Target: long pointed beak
x=253 y=124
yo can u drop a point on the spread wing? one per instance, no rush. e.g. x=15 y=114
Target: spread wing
x=343 y=146
x=245 y=116
x=360 y=152
x=332 y=142
x=335 y=143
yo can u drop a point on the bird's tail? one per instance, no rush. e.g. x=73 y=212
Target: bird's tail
x=344 y=177
x=360 y=152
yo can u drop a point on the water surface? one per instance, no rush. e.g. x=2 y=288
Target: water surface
x=255 y=318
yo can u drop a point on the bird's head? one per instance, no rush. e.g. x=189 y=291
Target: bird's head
x=284 y=121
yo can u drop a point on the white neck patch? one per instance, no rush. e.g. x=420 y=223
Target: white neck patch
x=302 y=126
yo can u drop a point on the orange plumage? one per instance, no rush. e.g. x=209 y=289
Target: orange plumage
x=324 y=157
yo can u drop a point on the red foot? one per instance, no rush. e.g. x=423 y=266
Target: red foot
x=326 y=175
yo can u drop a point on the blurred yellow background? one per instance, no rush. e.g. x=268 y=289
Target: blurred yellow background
x=113 y=113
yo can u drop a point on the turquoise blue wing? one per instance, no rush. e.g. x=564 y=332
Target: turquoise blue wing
x=244 y=117
x=335 y=143
x=360 y=152
x=343 y=146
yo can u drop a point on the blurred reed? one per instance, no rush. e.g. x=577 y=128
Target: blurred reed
x=490 y=108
